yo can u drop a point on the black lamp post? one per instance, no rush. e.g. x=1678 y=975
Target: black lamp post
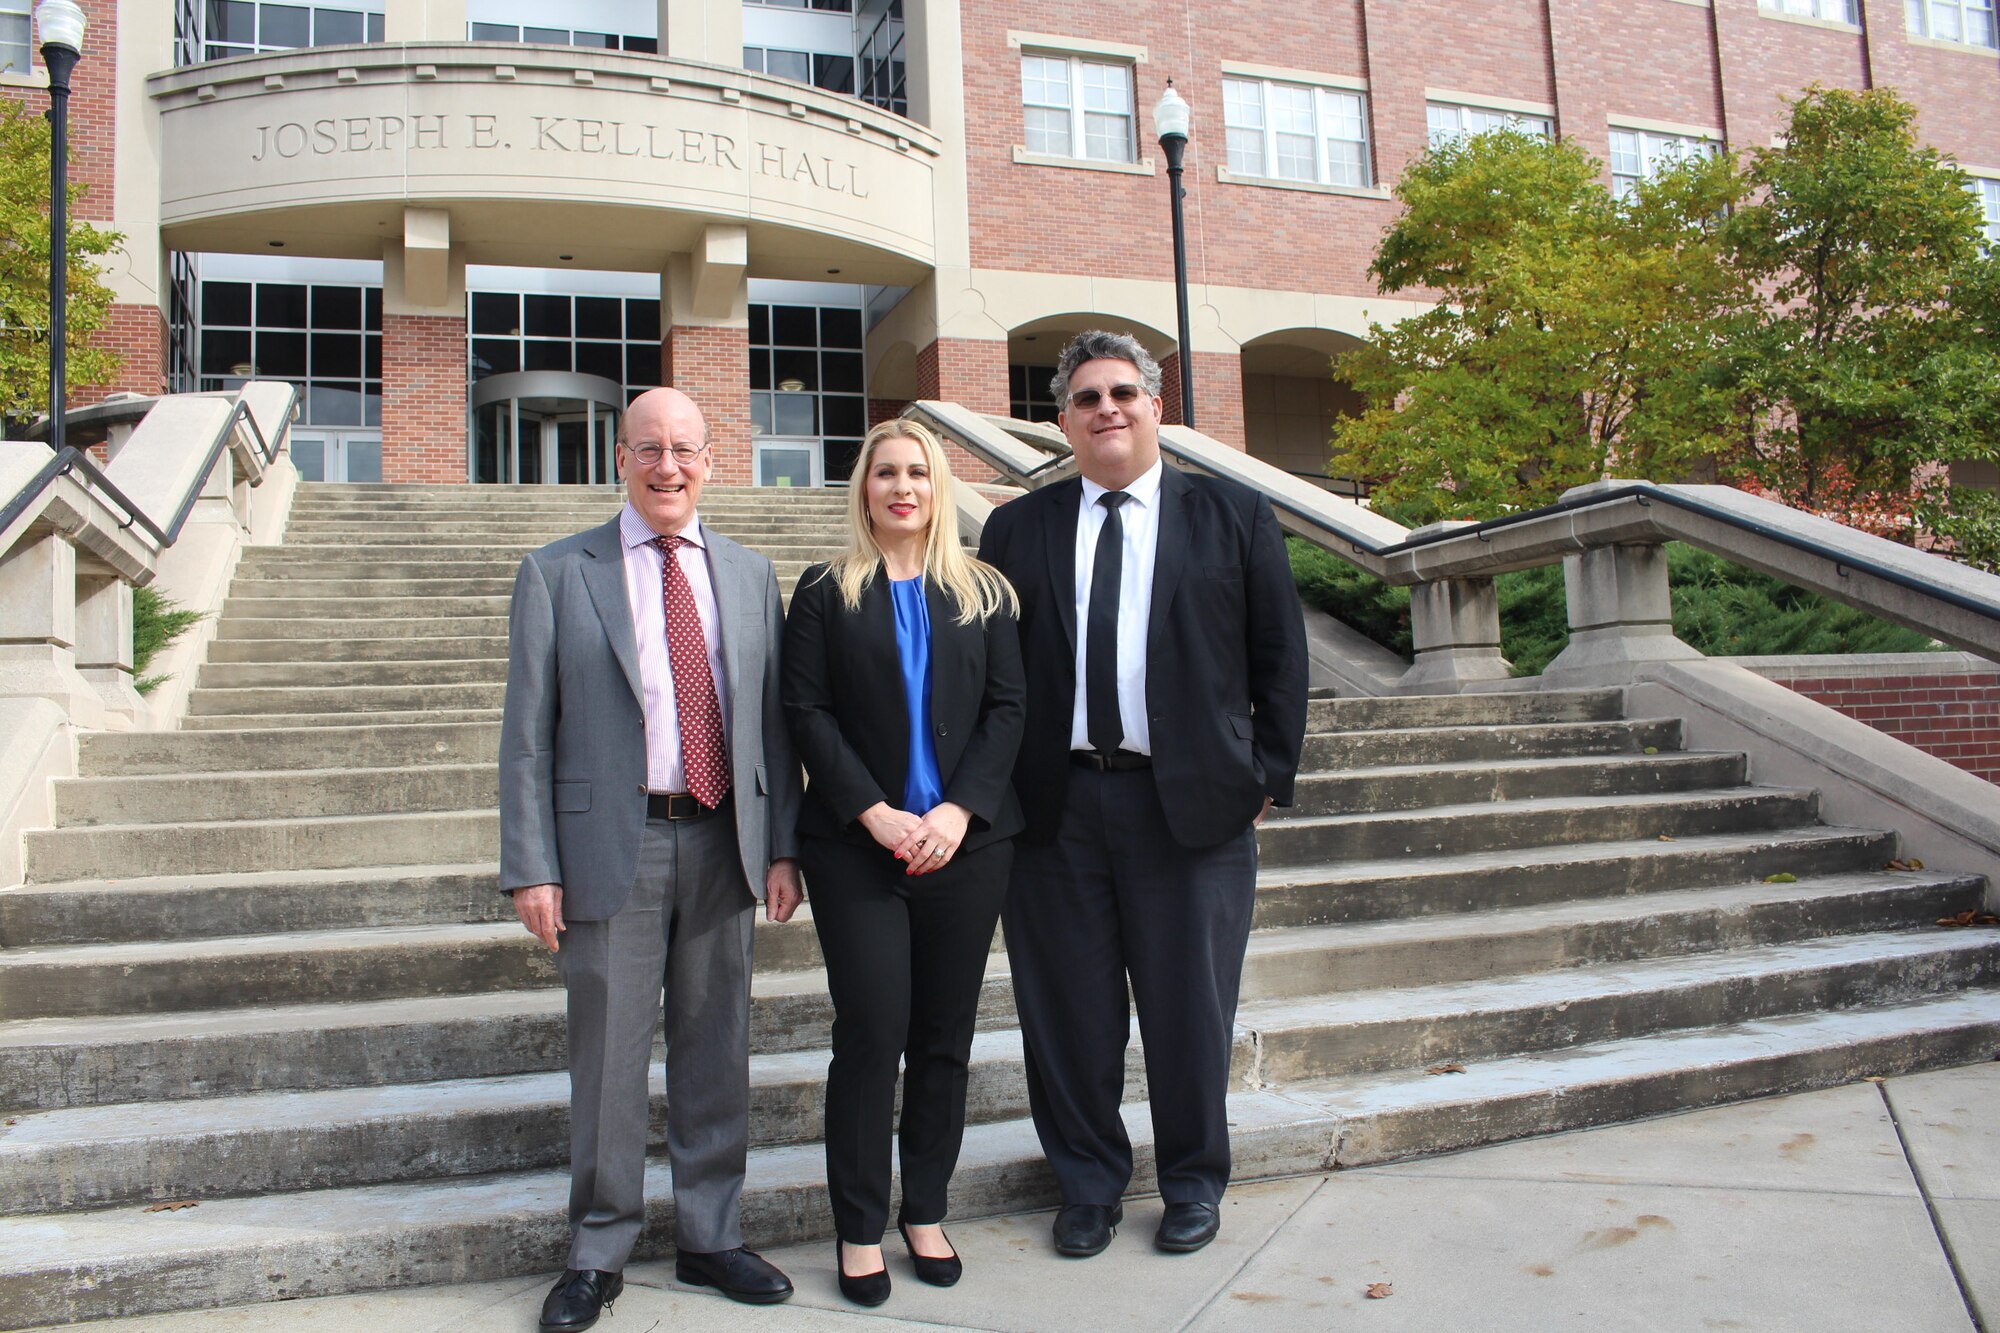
x=60 y=25
x=1170 y=122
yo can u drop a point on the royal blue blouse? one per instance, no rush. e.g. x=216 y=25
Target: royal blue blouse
x=923 y=789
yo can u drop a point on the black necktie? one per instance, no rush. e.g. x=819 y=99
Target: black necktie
x=1100 y=689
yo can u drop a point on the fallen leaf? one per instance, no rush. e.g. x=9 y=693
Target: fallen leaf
x=1452 y=1068
x=12 y=1121
x=1897 y=865
x=1915 y=864
x=1970 y=917
x=173 y=1207
x=1652 y=749
x=1666 y=837
x=1873 y=1078
x=1377 y=1290
x=1782 y=877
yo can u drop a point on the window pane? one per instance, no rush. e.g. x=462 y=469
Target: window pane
x=496 y=312
x=280 y=356
x=281 y=305
x=833 y=73
x=232 y=21
x=794 y=414
x=645 y=45
x=1295 y=161
x=1107 y=88
x=376 y=25
x=373 y=367
x=1246 y=151
x=546 y=36
x=1044 y=82
x=336 y=355
x=760 y=325
x=222 y=349
x=794 y=326
x=602 y=41
x=1291 y=109
x=599 y=317
x=1243 y=104
x=795 y=370
x=545 y=355
x=371 y=302
x=841 y=372
x=336 y=307
x=495 y=32
x=545 y=316
x=333 y=404
x=760 y=413
x=286 y=26
x=1048 y=131
x=642 y=366
x=600 y=359
x=337 y=27
x=495 y=356
x=760 y=367
x=1344 y=164
x=642 y=319
x=1107 y=138
x=844 y=415
x=309 y=457
x=1944 y=19
x=225 y=303
x=840 y=328
x=364 y=460
x=796 y=65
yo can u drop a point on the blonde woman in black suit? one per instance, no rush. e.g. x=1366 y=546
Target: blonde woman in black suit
x=904 y=692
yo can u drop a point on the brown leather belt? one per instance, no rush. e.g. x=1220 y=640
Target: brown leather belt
x=679 y=805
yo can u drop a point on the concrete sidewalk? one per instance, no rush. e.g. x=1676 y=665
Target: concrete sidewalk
x=1872 y=1206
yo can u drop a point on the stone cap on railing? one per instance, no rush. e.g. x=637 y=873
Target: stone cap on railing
x=68 y=507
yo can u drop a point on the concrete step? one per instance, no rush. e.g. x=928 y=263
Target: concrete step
x=1465 y=710
x=321 y=792
x=355 y=699
x=105 y=754
x=1538 y=821
x=384 y=718
x=441 y=606
x=341 y=587
x=1418 y=787
x=315 y=529
x=356 y=650
x=1335 y=750
x=226 y=846
x=308 y=674
x=205 y=905
x=247 y=628
x=101 y=1263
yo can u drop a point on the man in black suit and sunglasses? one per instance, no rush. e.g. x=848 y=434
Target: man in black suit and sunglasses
x=1166 y=661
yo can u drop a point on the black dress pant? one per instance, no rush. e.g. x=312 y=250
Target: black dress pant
x=1115 y=896
x=905 y=958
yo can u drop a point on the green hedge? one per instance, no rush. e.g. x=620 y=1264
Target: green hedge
x=157 y=620
x=1723 y=609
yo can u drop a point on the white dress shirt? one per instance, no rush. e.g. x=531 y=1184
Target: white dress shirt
x=1139 y=520
x=645 y=591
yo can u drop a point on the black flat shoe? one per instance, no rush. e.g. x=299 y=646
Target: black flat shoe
x=1084 y=1229
x=864 y=1288
x=739 y=1274
x=578 y=1297
x=937 y=1272
x=1186 y=1227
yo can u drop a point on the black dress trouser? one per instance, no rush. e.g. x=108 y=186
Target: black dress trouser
x=905 y=959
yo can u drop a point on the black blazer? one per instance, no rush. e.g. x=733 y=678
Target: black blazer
x=843 y=698
x=1225 y=653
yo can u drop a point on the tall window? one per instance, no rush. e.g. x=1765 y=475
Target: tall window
x=326 y=338
x=1638 y=155
x=246 y=27
x=14 y=36
x=615 y=338
x=1449 y=122
x=882 y=77
x=601 y=41
x=182 y=328
x=806 y=378
x=1988 y=190
x=1840 y=11
x=1079 y=108
x=1294 y=132
x=1969 y=21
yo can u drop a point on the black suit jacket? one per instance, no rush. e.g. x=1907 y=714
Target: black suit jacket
x=843 y=699
x=1225 y=653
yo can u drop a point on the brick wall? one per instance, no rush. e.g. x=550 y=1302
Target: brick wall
x=423 y=398
x=138 y=334
x=973 y=373
x=1956 y=718
x=1218 y=395
x=712 y=366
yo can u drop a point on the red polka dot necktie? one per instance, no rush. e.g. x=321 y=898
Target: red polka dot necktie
x=702 y=752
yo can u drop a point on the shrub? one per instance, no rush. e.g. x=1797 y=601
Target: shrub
x=157 y=620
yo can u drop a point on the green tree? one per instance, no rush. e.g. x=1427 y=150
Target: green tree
x=1870 y=358
x=1572 y=336
x=24 y=275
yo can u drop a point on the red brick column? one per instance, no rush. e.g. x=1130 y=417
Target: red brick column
x=1218 y=395
x=138 y=334
x=424 y=386
x=973 y=373
x=1956 y=718
x=712 y=366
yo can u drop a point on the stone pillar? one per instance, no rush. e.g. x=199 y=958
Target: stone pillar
x=424 y=20
x=710 y=30
x=1454 y=630
x=1621 y=615
x=705 y=344
x=104 y=645
x=424 y=377
x=1218 y=395
x=38 y=629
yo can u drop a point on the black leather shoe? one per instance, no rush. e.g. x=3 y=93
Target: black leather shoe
x=1084 y=1229
x=861 y=1288
x=578 y=1297
x=938 y=1272
x=738 y=1274
x=1187 y=1227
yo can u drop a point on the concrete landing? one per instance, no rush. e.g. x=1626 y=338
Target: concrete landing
x=1868 y=1206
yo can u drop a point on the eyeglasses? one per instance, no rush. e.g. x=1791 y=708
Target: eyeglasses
x=650 y=454
x=1122 y=394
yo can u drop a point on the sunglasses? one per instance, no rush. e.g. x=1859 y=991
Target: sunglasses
x=1122 y=394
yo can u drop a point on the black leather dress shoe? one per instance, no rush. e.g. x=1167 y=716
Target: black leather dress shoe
x=861 y=1288
x=1084 y=1229
x=578 y=1297
x=738 y=1274
x=1187 y=1227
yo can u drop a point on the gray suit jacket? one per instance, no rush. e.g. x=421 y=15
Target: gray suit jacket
x=572 y=742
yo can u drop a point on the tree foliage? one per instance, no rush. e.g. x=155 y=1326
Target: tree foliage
x=1820 y=322
x=1570 y=338
x=24 y=275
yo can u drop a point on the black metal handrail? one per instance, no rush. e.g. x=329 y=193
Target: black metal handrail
x=74 y=460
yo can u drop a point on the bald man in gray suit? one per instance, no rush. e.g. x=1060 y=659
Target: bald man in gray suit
x=648 y=799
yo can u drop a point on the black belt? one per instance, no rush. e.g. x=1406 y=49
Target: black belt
x=1118 y=761
x=678 y=805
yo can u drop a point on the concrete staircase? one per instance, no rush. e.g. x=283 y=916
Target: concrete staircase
x=261 y=964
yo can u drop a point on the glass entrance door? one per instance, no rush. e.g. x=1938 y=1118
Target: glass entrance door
x=336 y=455
x=544 y=427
